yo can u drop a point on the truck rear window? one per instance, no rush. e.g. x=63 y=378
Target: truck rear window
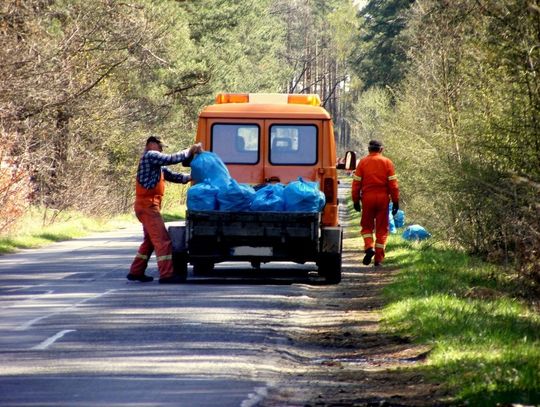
x=293 y=144
x=236 y=143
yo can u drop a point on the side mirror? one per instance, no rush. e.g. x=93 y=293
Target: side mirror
x=348 y=163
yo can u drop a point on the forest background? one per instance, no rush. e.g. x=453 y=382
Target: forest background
x=452 y=88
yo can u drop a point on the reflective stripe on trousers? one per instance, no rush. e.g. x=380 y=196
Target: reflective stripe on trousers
x=155 y=238
x=375 y=219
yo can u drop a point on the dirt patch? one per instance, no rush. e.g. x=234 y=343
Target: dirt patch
x=341 y=357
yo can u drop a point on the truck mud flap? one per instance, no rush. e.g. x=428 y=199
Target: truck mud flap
x=331 y=239
x=177 y=234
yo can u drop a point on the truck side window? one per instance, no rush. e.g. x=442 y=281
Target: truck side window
x=236 y=143
x=293 y=144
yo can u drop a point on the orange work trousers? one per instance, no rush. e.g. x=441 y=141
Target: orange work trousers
x=155 y=237
x=375 y=206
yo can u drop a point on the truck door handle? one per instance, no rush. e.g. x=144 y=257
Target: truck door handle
x=272 y=179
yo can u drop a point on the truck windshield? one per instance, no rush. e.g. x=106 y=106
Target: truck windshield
x=293 y=144
x=236 y=143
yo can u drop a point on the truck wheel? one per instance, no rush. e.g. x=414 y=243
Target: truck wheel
x=203 y=267
x=330 y=267
x=180 y=265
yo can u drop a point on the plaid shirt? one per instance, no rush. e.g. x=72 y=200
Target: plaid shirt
x=153 y=162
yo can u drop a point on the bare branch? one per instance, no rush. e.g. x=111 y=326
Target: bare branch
x=76 y=95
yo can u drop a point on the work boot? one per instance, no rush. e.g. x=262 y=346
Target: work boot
x=142 y=278
x=174 y=279
x=378 y=264
x=369 y=255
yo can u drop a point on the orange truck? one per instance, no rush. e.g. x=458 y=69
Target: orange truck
x=267 y=138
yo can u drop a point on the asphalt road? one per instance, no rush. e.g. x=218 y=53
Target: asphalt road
x=75 y=332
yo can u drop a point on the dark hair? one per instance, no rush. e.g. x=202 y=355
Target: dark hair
x=375 y=146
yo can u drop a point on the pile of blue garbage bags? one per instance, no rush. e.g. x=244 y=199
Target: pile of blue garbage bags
x=214 y=189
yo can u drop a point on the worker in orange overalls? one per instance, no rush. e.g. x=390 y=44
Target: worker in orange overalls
x=375 y=184
x=151 y=177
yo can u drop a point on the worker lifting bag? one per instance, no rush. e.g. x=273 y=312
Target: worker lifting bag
x=202 y=196
x=208 y=165
x=303 y=196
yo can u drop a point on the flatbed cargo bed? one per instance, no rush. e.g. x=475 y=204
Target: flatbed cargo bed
x=253 y=235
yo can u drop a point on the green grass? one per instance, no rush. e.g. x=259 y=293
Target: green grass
x=38 y=228
x=486 y=342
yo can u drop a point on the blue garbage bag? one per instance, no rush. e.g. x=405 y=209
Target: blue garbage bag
x=303 y=196
x=269 y=199
x=399 y=218
x=391 y=223
x=235 y=197
x=415 y=232
x=208 y=165
x=202 y=196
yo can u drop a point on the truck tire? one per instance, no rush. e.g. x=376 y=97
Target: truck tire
x=203 y=267
x=180 y=265
x=330 y=267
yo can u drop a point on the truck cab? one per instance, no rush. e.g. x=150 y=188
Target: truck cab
x=267 y=138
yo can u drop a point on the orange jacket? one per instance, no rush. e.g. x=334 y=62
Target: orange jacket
x=375 y=173
x=147 y=198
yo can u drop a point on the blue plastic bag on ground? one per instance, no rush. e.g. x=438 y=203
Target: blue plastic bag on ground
x=269 y=199
x=415 y=232
x=208 y=165
x=202 y=196
x=303 y=196
x=235 y=197
x=399 y=218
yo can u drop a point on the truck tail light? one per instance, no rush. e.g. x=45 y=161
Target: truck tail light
x=328 y=189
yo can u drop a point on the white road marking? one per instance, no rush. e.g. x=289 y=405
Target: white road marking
x=94 y=297
x=49 y=341
x=28 y=324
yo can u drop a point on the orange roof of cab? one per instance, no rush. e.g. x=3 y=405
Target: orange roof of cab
x=270 y=111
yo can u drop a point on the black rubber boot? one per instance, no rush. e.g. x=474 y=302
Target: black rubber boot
x=142 y=278
x=369 y=255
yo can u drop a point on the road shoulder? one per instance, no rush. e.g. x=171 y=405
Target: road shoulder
x=341 y=355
